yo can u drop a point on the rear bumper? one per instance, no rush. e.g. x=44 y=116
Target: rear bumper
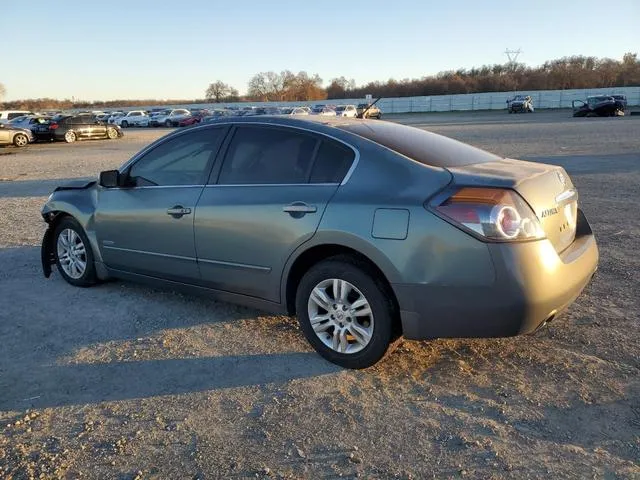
x=533 y=284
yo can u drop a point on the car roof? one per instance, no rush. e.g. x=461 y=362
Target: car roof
x=420 y=145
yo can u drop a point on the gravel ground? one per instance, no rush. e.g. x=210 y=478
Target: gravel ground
x=122 y=381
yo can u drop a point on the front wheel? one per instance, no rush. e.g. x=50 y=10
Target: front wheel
x=345 y=313
x=70 y=136
x=124 y=124
x=112 y=133
x=74 y=257
x=20 y=140
x=167 y=123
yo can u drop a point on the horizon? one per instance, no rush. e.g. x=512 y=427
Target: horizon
x=98 y=62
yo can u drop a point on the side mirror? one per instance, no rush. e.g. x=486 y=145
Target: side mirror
x=111 y=179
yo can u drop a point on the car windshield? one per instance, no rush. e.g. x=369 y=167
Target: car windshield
x=287 y=111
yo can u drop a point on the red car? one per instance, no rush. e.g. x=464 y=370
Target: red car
x=195 y=117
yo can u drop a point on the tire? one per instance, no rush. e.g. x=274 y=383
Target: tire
x=361 y=284
x=112 y=133
x=20 y=140
x=70 y=136
x=124 y=124
x=167 y=123
x=69 y=262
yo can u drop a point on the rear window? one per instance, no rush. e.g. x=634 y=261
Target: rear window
x=422 y=146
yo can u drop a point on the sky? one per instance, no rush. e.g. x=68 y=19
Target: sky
x=144 y=49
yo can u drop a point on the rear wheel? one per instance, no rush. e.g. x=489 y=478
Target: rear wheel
x=20 y=140
x=167 y=123
x=345 y=313
x=70 y=136
x=74 y=257
x=112 y=133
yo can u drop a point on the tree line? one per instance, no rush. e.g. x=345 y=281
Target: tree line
x=561 y=74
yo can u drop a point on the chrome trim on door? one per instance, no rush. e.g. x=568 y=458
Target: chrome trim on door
x=243 y=266
x=164 y=255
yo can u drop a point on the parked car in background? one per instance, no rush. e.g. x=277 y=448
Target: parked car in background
x=374 y=230
x=153 y=117
x=33 y=123
x=520 y=104
x=114 y=116
x=346 y=111
x=294 y=111
x=75 y=127
x=104 y=117
x=372 y=111
x=8 y=115
x=196 y=117
x=134 y=118
x=621 y=102
x=323 y=111
x=170 y=119
x=596 y=106
x=10 y=135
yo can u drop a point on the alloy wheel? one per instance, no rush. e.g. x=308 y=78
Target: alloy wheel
x=20 y=140
x=72 y=253
x=340 y=315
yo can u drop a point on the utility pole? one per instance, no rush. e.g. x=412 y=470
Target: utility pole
x=512 y=55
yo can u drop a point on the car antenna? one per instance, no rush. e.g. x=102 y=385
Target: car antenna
x=371 y=105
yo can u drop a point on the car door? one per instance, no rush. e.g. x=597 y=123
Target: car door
x=5 y=134
x=271 y=192
x=147 y=228
x=98 y=128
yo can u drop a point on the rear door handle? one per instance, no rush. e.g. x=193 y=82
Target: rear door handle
x=300 y=208
x=178 y=211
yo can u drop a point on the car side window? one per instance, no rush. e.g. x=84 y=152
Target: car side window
x=332 y=162
x=262 y=155
x=182 y=160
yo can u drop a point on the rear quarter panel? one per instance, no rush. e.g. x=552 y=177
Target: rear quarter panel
x=433 y=252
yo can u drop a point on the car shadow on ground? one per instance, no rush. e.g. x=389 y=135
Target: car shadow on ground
x=35 y=373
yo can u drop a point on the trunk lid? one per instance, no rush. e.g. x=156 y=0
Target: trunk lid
x=546 y=188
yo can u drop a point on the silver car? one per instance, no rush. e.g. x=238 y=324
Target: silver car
x=20 y=137
x=368 y=231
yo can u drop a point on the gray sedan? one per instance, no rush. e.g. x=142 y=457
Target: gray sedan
x=367 y=231
x=20 y=137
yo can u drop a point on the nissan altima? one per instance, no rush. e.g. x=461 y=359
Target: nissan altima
x=367 y=231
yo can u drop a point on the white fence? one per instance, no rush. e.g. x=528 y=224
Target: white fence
x=447 y=103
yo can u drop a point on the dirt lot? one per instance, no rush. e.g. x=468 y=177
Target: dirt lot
x=122 y=381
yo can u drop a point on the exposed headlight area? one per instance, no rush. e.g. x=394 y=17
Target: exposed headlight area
x=495 y=214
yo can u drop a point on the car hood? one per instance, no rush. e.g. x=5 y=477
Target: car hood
x=75 y=185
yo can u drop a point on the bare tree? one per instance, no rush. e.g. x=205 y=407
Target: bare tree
x=219 y=91
x=3 y=91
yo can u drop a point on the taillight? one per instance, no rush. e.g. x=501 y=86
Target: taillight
x=494 y=213
x=53 y=126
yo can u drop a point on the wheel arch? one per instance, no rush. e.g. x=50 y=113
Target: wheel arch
x=316 y=253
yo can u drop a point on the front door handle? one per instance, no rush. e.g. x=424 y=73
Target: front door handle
x=299 y=208
x=178 y=211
